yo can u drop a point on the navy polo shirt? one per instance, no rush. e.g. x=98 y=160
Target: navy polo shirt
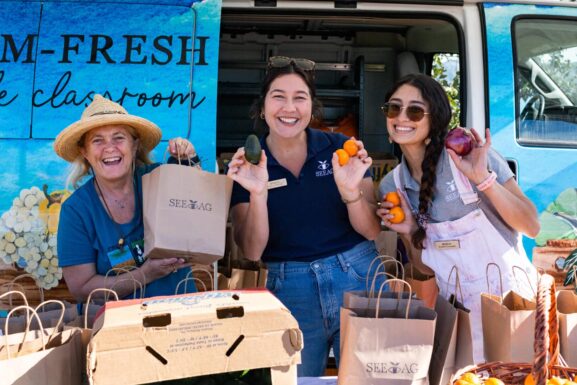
x=307 y=218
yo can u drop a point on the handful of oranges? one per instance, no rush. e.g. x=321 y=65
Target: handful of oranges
x=349 y=150
x=396 y=211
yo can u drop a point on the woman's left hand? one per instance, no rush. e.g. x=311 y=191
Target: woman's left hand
x=475 y=164
x=349 y=176
x=181 y=148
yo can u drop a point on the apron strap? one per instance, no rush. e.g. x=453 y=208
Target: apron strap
x=399 y=185
x=466 y=192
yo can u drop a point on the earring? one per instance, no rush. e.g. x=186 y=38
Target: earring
x=427 y=141
x=312 y=117
x=261 y=115
x=390 y=140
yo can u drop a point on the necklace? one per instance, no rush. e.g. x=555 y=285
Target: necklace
x=116 y=225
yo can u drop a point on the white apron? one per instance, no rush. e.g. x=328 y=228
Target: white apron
x=470 y=243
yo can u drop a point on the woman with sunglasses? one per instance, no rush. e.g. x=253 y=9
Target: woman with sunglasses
x=298 y=210
x=464 y=211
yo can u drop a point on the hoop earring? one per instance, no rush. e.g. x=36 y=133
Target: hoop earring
x=261 y=115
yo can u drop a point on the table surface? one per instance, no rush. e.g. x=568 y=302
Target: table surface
x=317 y=380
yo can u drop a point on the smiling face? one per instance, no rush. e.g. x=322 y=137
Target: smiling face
x=403 y=130
x=110 y=151
x=288 y=106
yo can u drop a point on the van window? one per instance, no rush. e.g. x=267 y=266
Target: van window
x=446 y=71
x=546 y=82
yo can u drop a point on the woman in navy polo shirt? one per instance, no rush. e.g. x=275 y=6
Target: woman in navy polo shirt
x=298 y=210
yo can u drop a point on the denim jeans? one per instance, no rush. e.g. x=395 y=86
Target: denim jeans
x=313 y=292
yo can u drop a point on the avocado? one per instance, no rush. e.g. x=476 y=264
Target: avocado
x=252 y=149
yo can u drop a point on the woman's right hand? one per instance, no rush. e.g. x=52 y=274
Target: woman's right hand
x=156 y=268
x=407 y=226
x=253 y=177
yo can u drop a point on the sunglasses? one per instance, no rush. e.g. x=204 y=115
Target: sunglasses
x=414 y=113
x=283 y=61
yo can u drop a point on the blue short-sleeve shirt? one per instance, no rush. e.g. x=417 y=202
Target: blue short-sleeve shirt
x=307 y=218
x=87 y=234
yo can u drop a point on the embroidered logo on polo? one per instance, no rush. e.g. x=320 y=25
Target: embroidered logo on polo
x=451 y=191
x=189 y=204
x=323 y=168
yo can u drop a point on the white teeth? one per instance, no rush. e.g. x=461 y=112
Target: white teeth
x=404 y=129
x=288 y=120
x=111 y=160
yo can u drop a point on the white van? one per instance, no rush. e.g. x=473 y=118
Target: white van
x=510 y=66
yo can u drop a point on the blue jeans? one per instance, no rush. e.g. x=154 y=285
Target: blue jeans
x=313 y=292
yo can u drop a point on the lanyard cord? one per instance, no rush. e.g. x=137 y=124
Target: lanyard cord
x=116 y=225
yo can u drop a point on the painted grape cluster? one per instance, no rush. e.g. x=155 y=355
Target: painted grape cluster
x=28 y=234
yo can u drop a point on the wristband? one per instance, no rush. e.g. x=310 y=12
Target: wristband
x=488 y=182
x=345 y=201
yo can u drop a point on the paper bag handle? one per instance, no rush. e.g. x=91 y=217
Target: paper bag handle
x=185 y=281
x=500 y=277
x=10 y=293
x=526 y=276
x=130 y=270
x=27 y=330
x=102 y=289
x=398 y=296
x=135 y=284
x=457 y=284
x=204 y=270
x=40 y=289
x=382 y=263
x=60 y=319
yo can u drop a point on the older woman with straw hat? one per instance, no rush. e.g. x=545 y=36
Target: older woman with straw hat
x=101 y=224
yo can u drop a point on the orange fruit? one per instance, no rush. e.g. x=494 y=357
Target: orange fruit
x=556 y=381
x=471 y=378
x=398 y=215
x=393 y=198
x=343 y=156
x=462 y=382
x=529 y=380
x=493 y=381
x=351 y=147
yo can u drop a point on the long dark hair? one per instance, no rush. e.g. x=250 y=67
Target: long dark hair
x=273 y=73
x=439 y=117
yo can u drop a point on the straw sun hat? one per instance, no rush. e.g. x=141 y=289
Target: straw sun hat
x=104 y=112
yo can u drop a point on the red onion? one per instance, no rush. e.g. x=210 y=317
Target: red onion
x=459 y=140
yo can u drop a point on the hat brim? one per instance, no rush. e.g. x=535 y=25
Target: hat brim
x=66 y=143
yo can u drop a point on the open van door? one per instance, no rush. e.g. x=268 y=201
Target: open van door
x=532 y=111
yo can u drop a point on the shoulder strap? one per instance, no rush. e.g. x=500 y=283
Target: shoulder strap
x=399 y=184
x=468 y=195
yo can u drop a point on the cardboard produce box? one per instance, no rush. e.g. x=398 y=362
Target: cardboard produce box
x=165 y=338
x=380 y=168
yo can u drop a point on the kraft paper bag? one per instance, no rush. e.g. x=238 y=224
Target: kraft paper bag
x=45 y=356
x=425 y=286
x=386 y=346
x=508 y=327
x=243 y=274
x=453 y=347
x=185 y=211
x=49 y=313
x=567 y=310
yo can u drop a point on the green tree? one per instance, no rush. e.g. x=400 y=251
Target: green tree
x=451 y=83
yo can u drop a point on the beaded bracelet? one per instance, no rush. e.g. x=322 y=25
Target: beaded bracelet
x=488 y=182
x=345 y=201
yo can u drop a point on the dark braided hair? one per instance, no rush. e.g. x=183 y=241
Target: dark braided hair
x=439 y=117
x=272 y=73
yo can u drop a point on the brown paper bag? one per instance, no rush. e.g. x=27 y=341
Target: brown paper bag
x=389 y=346
x=41 y=357
x=508 y=327
x=453 y=347
x=185 y=211
x=425 y=286
x=243 y=274
x=567 y=310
